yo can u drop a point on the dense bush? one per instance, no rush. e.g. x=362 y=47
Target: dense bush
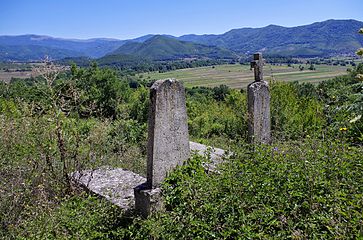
x=80 y=217
x=302 y=190
x=52 y=127
x=293 y=114
x=209 y=117
x=35 y=161
x=343 y=97
x=308 y=189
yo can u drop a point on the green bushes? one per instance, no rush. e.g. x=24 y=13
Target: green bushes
x=293 y=114
x=343 y=97
x=209 y=118
x=302 y=190
x=35 y=162
x=32 y=169
x=81 y=217
x=308 y=189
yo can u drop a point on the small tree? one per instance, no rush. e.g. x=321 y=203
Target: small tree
x=49 y=72
x=312 y=67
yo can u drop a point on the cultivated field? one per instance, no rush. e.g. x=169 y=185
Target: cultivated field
x=7 y=76
x=9 y=71
x=239 y=76
x=15 y=70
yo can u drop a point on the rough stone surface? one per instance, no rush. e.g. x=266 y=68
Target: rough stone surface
x=216 y=154
x=116 y=185
x=257 y=65
x=148 y=200
x=259 y=123
x=168 y=143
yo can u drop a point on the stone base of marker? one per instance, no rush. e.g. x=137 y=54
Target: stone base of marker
x=259 y=122
x=147 y=200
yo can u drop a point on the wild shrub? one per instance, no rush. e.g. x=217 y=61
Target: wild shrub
x=293 y=114
x=343 y=98
x=208 y=118
x=300 y=190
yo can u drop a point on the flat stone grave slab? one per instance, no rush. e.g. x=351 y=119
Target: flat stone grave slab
x=216 y=154
x=117 y=185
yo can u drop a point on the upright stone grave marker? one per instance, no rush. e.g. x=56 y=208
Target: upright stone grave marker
x=259 y=123
x=168 y=140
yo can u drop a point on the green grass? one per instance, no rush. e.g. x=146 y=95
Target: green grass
x=239 y=76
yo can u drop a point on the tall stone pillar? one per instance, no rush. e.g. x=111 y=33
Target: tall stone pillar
x=168 y=141
x=258 y=98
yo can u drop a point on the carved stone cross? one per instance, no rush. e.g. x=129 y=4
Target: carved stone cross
x=257 y=65
x=258 y=99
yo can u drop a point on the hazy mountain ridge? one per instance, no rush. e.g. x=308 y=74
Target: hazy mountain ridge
x=34 y=53
x=318 y=39
x=96 y=47
x=160 y=47
x=321 y=38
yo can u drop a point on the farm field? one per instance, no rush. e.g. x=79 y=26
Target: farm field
x=9 y=71
x=239 y=76
x=7 y=76
x=15 y=70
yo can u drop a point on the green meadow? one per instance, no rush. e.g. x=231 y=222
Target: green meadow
x=239 y=76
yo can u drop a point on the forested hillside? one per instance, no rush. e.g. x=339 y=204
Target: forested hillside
x=317 y=39
x=166 y=48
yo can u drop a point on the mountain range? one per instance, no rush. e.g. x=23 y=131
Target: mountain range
x=160 y=47
x=320 y=38
x=29 y=47
x=331 y=37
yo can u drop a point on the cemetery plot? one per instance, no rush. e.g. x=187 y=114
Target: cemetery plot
x=168 y=147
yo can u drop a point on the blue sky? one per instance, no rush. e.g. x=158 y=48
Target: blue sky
x=133 y=18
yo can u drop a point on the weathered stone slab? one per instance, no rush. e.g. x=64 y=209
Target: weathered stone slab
x=168 y=138
x=216 y=155
x=116 y=185
x=259 y=123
